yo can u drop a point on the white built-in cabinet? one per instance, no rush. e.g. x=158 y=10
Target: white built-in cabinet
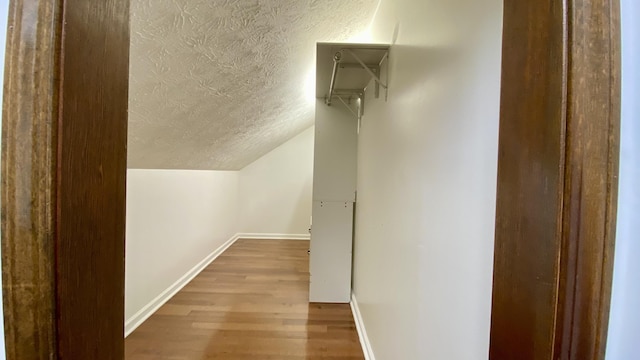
x=334 y=190
x=341 y=80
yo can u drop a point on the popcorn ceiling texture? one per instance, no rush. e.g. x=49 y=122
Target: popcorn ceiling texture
x=216 y=84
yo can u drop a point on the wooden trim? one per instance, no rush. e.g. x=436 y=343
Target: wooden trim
x=63 y=179
x=91 y=180
x=557 y=179
x=530 y=178
x=590 y=187
x=28 y=178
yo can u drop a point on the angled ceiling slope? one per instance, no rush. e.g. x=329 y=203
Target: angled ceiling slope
x=217 y=84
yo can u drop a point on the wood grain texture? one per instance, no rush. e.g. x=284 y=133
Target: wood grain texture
x=557 y=180
x=591 y=179
x=250 y=303
x=530 y=180
x=92 y=180
x=29 y=131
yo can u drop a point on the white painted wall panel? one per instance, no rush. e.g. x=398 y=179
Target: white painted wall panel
x=336 y=142
x=624 y=323
x=275 y=190
x=427 y=166
x=331 y=241
x=175 y=218
x=334 y=186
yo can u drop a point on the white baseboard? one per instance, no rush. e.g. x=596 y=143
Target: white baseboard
x=138 y=318
x=362 y=332
x=274 y=236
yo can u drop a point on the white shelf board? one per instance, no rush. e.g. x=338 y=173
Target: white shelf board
x=350 y=76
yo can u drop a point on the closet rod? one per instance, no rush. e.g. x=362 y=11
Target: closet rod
x=336 y=62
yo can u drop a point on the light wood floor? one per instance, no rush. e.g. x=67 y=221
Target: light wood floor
x=250 y=303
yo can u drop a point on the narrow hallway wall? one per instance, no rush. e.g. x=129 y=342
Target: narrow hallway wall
x=427 y=167
x=175 y=219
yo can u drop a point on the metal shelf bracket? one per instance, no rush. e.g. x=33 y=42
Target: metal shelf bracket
x=367 y=68
x=372 y=69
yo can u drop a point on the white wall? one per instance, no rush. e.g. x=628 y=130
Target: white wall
x=427 y=167
x=335 y=160
x=4 y=17
x=275 y=190
x=624 y=324
x=175 y=218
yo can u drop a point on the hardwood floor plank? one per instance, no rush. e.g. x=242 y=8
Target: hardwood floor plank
x=250 y=303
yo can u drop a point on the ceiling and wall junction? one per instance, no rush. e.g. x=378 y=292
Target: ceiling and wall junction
x=217 y=84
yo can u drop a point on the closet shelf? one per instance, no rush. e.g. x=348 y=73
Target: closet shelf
x=346 y=69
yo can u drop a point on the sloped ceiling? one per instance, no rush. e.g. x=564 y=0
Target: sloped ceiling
x=215 y=84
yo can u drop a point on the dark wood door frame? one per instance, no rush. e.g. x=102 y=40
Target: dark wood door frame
x=63 y=178
x=63 y=184
x=557 y=179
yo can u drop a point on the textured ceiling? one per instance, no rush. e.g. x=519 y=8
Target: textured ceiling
x=216 y=84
